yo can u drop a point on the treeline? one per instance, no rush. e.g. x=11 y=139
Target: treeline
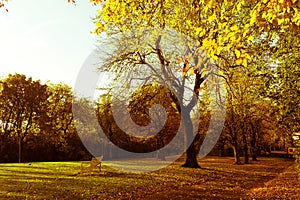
x=36 y=121
x=42 y=122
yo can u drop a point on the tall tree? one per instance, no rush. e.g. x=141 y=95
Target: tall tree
x=218 y=26
x=24 y=101
x=60 y=129
x=285 y=88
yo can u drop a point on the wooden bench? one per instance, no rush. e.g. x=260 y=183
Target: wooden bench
x=92 y=165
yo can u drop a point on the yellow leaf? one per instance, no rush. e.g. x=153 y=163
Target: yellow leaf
x=239 y=61
x=280 y=21
x=245 y=63
x=251 y=38
x=192 y=72
x=237 y=53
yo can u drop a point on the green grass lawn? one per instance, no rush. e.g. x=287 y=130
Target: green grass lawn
x=268 y=178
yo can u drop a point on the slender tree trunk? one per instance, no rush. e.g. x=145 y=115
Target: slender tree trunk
x=222 y=150
x=253 y=147
x=244 y=137
x=236 y=151
x=20 y=148
x=246 y=154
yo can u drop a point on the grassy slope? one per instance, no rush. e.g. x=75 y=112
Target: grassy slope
x=218 y=179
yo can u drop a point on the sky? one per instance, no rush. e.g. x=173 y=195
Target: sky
x=48 y=40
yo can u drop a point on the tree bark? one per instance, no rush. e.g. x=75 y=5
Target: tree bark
x=20 y=148
x=253 y=147
x=246 y=153
x=191 y=152
x=222 y=150
x=191 y=158
x=233 y=131
x=237 y=159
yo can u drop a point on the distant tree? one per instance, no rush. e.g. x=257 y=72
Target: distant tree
x=285 y=89
x=87 y=126
x=59 y=118
x=24 y=102
x=139 y=107
x=140 y=103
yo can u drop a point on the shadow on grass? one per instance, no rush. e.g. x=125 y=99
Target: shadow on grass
x=217 y=179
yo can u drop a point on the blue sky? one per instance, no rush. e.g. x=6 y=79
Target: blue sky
x=47 y=39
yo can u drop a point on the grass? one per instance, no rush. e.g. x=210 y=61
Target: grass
x=268 y=178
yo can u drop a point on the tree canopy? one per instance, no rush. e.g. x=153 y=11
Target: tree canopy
x=217 y=25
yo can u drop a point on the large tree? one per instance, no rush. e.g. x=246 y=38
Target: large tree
x=285 y=89
x=221 y=27
x=23 y=104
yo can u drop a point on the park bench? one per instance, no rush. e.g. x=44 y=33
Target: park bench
x=92 y=165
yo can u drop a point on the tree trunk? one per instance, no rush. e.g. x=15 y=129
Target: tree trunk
x=253 y=147
x=191 y=158
x=222 y=150
x=237 y=159
x=20 y=148
x=236 y=150
x=191 y=152
x=246 y=154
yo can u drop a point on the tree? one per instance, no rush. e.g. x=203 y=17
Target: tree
x=218 y=26
x=87 y=126
x=156 y=66
x=285 y=88
x=139 y=107
x=143 y=139
x=24 y=102
x=59 y=131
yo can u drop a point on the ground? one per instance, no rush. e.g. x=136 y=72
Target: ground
x=218 y=178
